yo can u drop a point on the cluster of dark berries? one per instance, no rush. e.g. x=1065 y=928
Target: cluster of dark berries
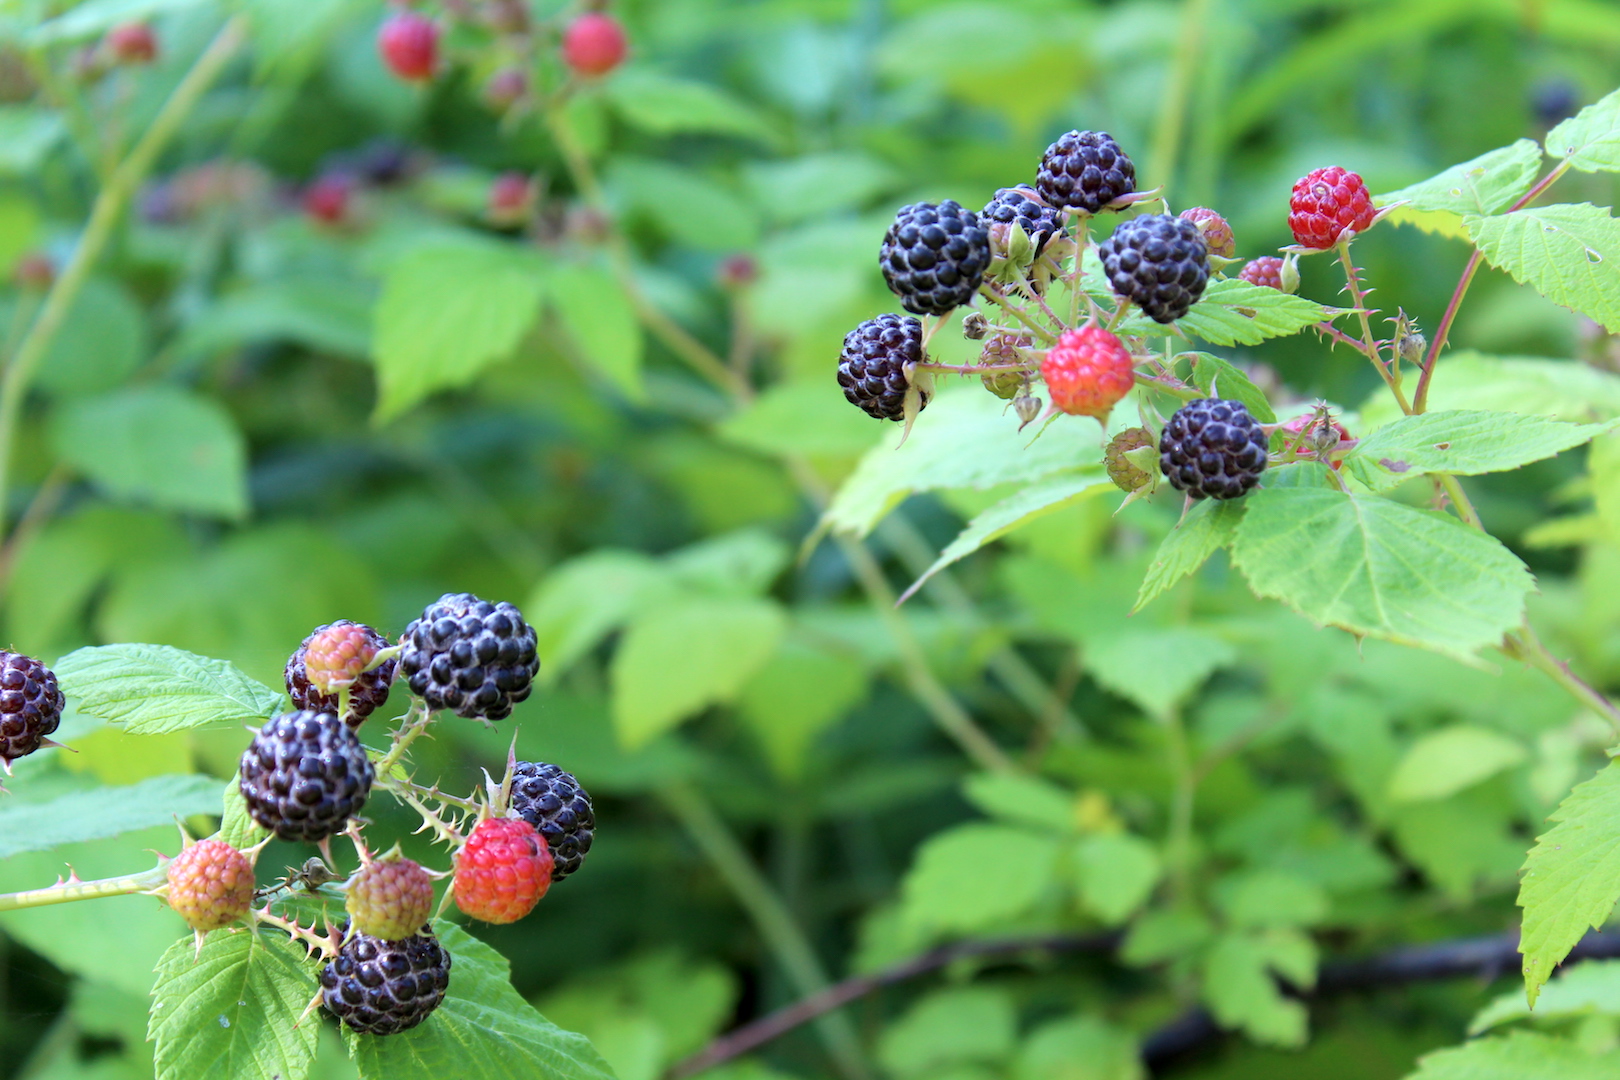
x=380 y=987
x=30 y=706
x=470 y=656
x=1213 y=449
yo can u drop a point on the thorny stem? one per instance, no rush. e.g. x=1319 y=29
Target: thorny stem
x=105 y=213
x=1370 y=343
x=990 y=292
x=320 y=942
x=442 y=829
x=1028 y=282
x=1527 y=646
x=973 y=369
x=1340 y=337
x=402 y=787
x=412 y=726
x=64 y=892
x=1168 y=384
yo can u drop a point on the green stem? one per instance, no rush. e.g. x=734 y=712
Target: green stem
x=1370 y=343
x=108 y=208
x=770 y=916
x=992 y=294
x=1527 y=646
x=1173 y=108
x=415 y=722
x=67 y=892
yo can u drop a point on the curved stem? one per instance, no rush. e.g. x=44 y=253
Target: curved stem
x=414 y=723
x=1370 y=343
x=108 y=208
x=994 y=295
x=66 y=892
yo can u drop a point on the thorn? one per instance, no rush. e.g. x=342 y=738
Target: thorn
x=54 y=745
x=314 y=1003
x=199 y=935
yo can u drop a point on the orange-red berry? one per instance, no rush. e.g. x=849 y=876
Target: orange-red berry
x=502 y=871
x=1088 y=371
x=210 y=884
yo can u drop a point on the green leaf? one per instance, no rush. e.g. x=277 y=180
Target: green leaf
x=1116 y=874
x=1021 y=799
x=1587 y=989
x=1522 y=1055
x=1255 y=899
x=1560 y=389
x=1234 y=312
x=1481 y=186
x=151 y=689
x=602 y=322
x=1165 y=934
x=801 y=418
x=1208 y=527
x=232 y=1009
x=1218 y=378
x=327 y=314
x=237 y=827
x=27 y=134
x=95 y=17
x=1461 y=442
x=1126 y=664
x=447 y=313
x=1035 y=501
x=159 y=445
x=969 y=1023
x=1377 y=567
x=1240 y=990
x=937 y=896
x=662 y=105
x=585 y=599
x=483 y=1031
x=964 y=439
x=1571 y=878
x=799 y=693
x=1461 y=844
x=1443 y=762
x=1079 y=1048
x=1568 y=253
x=102 y=340
x=682 y=657
x=1590 y=140
x=103 y=812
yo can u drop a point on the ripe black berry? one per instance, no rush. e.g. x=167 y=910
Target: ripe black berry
x=553 y=802
x=1213 y=449
x=934 y=257
x=470 y=656
x=1084 y=170
x=872 y=367
x=357 y=643
x=30 y=705
x=304 y=775
x=1159 y=263
x=384 y=987
x=1022 y=205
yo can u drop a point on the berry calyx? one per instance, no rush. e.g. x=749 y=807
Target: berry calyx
x=873 y=365
x=502 y=870
x=594 y=44
x=132 y=43
x=1316 y=434
x=379 y=987
x=390 y=899
x=210 y=885
x=30 y=706
x=470 y=656
x=333 y=658
x=1212 y=449
x=327 y=199
x=1086 y=171
x=1159 y=263
x=934 y=257
x=1021 y=206
x=1216 y=233
x=1126 y=474
x=304 y=775
x=1087 y=372
x=1327 y=204
x=560 y=810
x=409 y=45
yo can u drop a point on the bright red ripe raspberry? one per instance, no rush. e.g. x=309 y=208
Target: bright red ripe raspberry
x=210 y=884
x=327 y=199
x=1088 y=371
x=502 y=871
x=409 y=44
x=1216 y=232
x=594 y=44
x=1325 y=203
x=390 y=899
x=1266 y=270
x=132 y=43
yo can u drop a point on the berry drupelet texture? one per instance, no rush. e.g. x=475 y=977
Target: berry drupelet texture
x=390 y=899
x=1159 y=263
x=1125 y=474
x=304 y=775
x=30 y=705
x=381 y=987
x=210 y=885
x=470 y=656
x=1325 y=203
x=1212 y=449
x=1213 y=228
x=934 y=257
x=1022 y=205
x=1266 y=270
x=502 y=870
x=1084 y=170
x=1087 y=372
x=560 y=810
x=333 y=657
x=872 y=365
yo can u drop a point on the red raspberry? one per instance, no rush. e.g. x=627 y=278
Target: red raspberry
x=1325 y=203
x=502 y=871
x=1088 y=371
x=511 y=198
x=1216 y=232
x=327 y=199
x=210 y=884
x=132 y=43
x=1266 y=270
x=390 y=899
x=409 y=44
x=594 y=44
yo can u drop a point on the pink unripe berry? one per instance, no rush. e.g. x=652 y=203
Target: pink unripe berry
x=327 y=199
x=132 y=43
x=594 y=44
x=511 y=198
x=409 y=44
